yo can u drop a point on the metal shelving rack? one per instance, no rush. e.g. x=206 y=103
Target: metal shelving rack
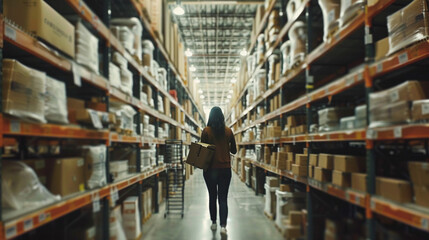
x=175 y=178
x=360 y=34
x=14 y=37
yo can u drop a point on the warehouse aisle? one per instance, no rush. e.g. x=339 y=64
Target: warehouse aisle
x=246 y=220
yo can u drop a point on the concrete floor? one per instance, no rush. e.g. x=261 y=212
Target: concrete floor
x=246 y=220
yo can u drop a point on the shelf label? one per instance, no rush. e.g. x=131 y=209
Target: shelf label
x=350 y=81
x=372 y=204
x=11 y=232
x=42 y=217
x=394 y=96
x=424 y=223
x=10 y=32
x=425 y=108
x=15 y=126
x=371 y=134
x=397 y=132
x=28 y=224
x=95 y=202
x=403 y=58
x=357 y=199
x=95 y=119
x=379 y=67
x=76 y=76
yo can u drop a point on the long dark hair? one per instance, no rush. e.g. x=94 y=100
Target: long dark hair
x=217 y=121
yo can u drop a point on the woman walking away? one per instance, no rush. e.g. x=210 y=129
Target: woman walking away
x=218 y=176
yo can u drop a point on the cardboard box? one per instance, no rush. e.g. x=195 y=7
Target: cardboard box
x=342 y=179
x=75 y=104
x=148 y=90
x=292 y=232
x=314 y=159
x=291 y=157
x=420 y=110
x=295 y=217
x=381 y=48
x=421 y=194
x=201 y=155
x=39 y=167
x=66 y=175
x=281 y=160
x=394 y=189
x=326 y=161
x=346 y=163
x=289 y=165
x=272 y=181
x=419 y=173
x=299 y=170
x=301 y=159
x=322 y=175
x=359 y=181
x=38 y=17
x=285 y=188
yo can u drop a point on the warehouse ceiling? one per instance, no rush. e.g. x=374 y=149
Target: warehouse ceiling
x=215 y=32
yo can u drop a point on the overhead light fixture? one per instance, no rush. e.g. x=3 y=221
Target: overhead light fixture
x=192 y=68
x=233 y=80
x=229 y=96
x=197 y=80
x=243 y=52
x=200 y=91
x=178 y=10
x=188 y=52
x=202 y=96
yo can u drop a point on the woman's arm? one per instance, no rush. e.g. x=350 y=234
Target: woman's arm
x=204 y=136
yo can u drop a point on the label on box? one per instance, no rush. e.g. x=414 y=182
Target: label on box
x=95 y=119
x=76 y=76
x=28 y=224
x=397 y=132
x=425 y=108
x=10 y=32
x=403 y=58
x=95 y=202
x=331 y=16
x=11 y=232
x=394 y=96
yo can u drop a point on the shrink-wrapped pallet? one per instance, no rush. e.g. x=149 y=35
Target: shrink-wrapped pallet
x=56 y=101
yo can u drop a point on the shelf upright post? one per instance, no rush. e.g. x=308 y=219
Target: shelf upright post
x=1 y=122
x=309 y=84
x=106 y=51
x=156 y=188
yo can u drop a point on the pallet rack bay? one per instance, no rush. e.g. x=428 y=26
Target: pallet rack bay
x=339 y=72
x=19 y=44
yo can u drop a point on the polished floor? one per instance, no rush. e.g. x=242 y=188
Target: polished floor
x=246 y=220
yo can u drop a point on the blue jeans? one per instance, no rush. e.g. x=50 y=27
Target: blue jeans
x=217 y=181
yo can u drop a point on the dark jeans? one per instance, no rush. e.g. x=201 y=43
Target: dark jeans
x=217 y=181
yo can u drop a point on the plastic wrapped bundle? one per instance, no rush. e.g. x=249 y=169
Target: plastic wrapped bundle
x=119 y=60
x=23 y=91
x=154 y=69
x=95 y=166
x=114 y=75
x=131 y=36
x=126 y=81
x=408 y=25
x=125 y=36
x=286 y=52
x=162 y=77
x=272 y=60
x=331 y=13
x=392 y=113
x=348 y=123
x=21 y=188
x=350 y=9
x=361 y=116
x=148 y=53
x=56 y=101
x=290 y=10
x=329 y=118
x=116 y=231
x=260 y=83
x=298 y=38
x=86 y=48
x=260 y=50
x=274 y=19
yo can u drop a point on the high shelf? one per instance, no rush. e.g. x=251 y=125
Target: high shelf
x=19 y=137
x=341 y=72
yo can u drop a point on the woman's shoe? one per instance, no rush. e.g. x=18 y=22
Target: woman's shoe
x=213 y=227
x=223 y=231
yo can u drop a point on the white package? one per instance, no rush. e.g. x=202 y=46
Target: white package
x=56 y=101
x=21 y=188
x=114 y=75
x=95 y=161
x=126 y=81
x=286 y=52
x=119 y=60
x=331 y=13
x=298 y=39
x=134 y=26
x=86 y=48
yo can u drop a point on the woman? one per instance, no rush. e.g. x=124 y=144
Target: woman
x=218 y=176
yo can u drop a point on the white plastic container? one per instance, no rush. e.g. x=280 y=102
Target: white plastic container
x=127 y=81
x=133 y=41
x=286 y=52
x=270 y=195
x=298 y=37
x=287 y=201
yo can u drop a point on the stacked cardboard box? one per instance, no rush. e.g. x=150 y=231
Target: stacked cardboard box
x=295 y=125
x=267 y=155
x=66 y=176
x=419 y=174
x=272 y=184
x=312 y=163
x=130 y=217
x=275 y=103
x=299 y=168
x=344 y=166
x=394 y=189
x=323 y=171
x=294 y=225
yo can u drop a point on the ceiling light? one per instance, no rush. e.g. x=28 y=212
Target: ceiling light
x=233 y=80
x=192 y=68
x=229 y=96
x=178 y=10
x=188 y=52
x=243 y=52
x=202 y=96
x=197 y=80
x=200 y=91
